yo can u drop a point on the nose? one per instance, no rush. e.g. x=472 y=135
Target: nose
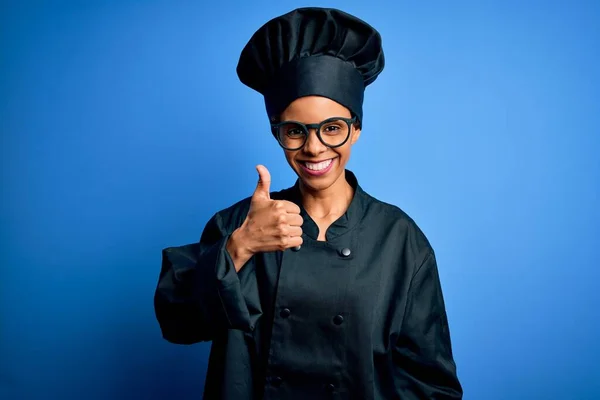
x=313 y=145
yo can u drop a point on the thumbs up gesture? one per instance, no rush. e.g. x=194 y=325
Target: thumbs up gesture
x=270 y=225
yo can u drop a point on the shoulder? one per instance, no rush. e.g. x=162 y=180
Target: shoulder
x=392 y=221
x=231 y=217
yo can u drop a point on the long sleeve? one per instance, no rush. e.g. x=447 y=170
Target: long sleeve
x=200 y=294
x=422 y=356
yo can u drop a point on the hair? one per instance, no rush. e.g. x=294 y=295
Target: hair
x=357 y=123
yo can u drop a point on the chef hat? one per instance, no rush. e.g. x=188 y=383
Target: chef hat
x=312 y=51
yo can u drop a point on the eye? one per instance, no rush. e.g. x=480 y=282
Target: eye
x=332 y=129
x=294 y=132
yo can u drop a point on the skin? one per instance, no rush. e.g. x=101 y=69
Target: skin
x=324 y=197
x=273 y=225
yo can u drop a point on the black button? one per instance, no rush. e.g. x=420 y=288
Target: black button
x=330 y=387
x=338 y=319
x=277 y=381
x=345 y=252
x=297 y=248
x=285 y=313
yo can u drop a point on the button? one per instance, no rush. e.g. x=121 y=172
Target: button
x=330 y=387
x=285 y=313
x=297 y=248
x=277 y=381
x=338 y=319
x=345 y=252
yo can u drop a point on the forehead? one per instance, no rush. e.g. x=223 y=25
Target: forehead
x=311 y=109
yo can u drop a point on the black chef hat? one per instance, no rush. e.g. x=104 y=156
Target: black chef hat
x=312 y=51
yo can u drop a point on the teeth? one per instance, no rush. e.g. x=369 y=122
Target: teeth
x=318 y=166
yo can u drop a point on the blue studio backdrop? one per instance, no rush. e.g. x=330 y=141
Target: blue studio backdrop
x=124 y=128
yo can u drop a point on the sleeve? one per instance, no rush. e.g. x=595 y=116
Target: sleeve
x=200 y=294
x=422 y=355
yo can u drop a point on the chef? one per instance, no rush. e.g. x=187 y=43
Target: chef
x=320 y=290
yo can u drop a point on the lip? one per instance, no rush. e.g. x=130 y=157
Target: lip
x=317 y=173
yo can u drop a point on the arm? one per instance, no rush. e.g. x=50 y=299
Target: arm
x=199 y=292
x=422 y=356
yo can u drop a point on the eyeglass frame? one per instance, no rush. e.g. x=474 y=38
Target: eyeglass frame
x=317 y=127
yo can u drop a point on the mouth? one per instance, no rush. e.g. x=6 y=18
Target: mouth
x=317 y=168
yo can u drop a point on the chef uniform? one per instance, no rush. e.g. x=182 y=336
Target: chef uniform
x=358 y=316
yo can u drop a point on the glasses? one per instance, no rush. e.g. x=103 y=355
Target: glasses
x=333 y=132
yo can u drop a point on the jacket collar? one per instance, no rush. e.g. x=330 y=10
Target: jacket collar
x=343 y=224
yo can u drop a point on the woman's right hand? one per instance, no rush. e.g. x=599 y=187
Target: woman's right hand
x=270 y=225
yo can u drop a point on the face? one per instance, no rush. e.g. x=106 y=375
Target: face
x=319 y=167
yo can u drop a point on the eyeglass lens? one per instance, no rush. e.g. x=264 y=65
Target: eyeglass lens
x=293 y=135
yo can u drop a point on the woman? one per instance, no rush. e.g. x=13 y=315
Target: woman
x=320 y=290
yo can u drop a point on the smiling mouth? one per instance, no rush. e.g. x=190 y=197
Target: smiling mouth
x=318 y=166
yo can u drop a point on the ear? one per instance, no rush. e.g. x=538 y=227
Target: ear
x=355 y=135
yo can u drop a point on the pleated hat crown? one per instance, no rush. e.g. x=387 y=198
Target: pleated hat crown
x=312 y=51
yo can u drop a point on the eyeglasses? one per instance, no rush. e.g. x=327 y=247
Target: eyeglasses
x=333 y=132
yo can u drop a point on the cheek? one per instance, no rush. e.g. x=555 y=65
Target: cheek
x=343 y=156
x=289 y=156
x=345 y=150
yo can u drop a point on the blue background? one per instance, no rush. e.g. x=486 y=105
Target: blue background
x=124 y=128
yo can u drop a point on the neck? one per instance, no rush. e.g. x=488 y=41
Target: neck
x=333 y=201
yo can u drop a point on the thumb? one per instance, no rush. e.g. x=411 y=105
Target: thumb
x=264 y=184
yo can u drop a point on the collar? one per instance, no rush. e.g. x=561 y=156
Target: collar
x=343 y=224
